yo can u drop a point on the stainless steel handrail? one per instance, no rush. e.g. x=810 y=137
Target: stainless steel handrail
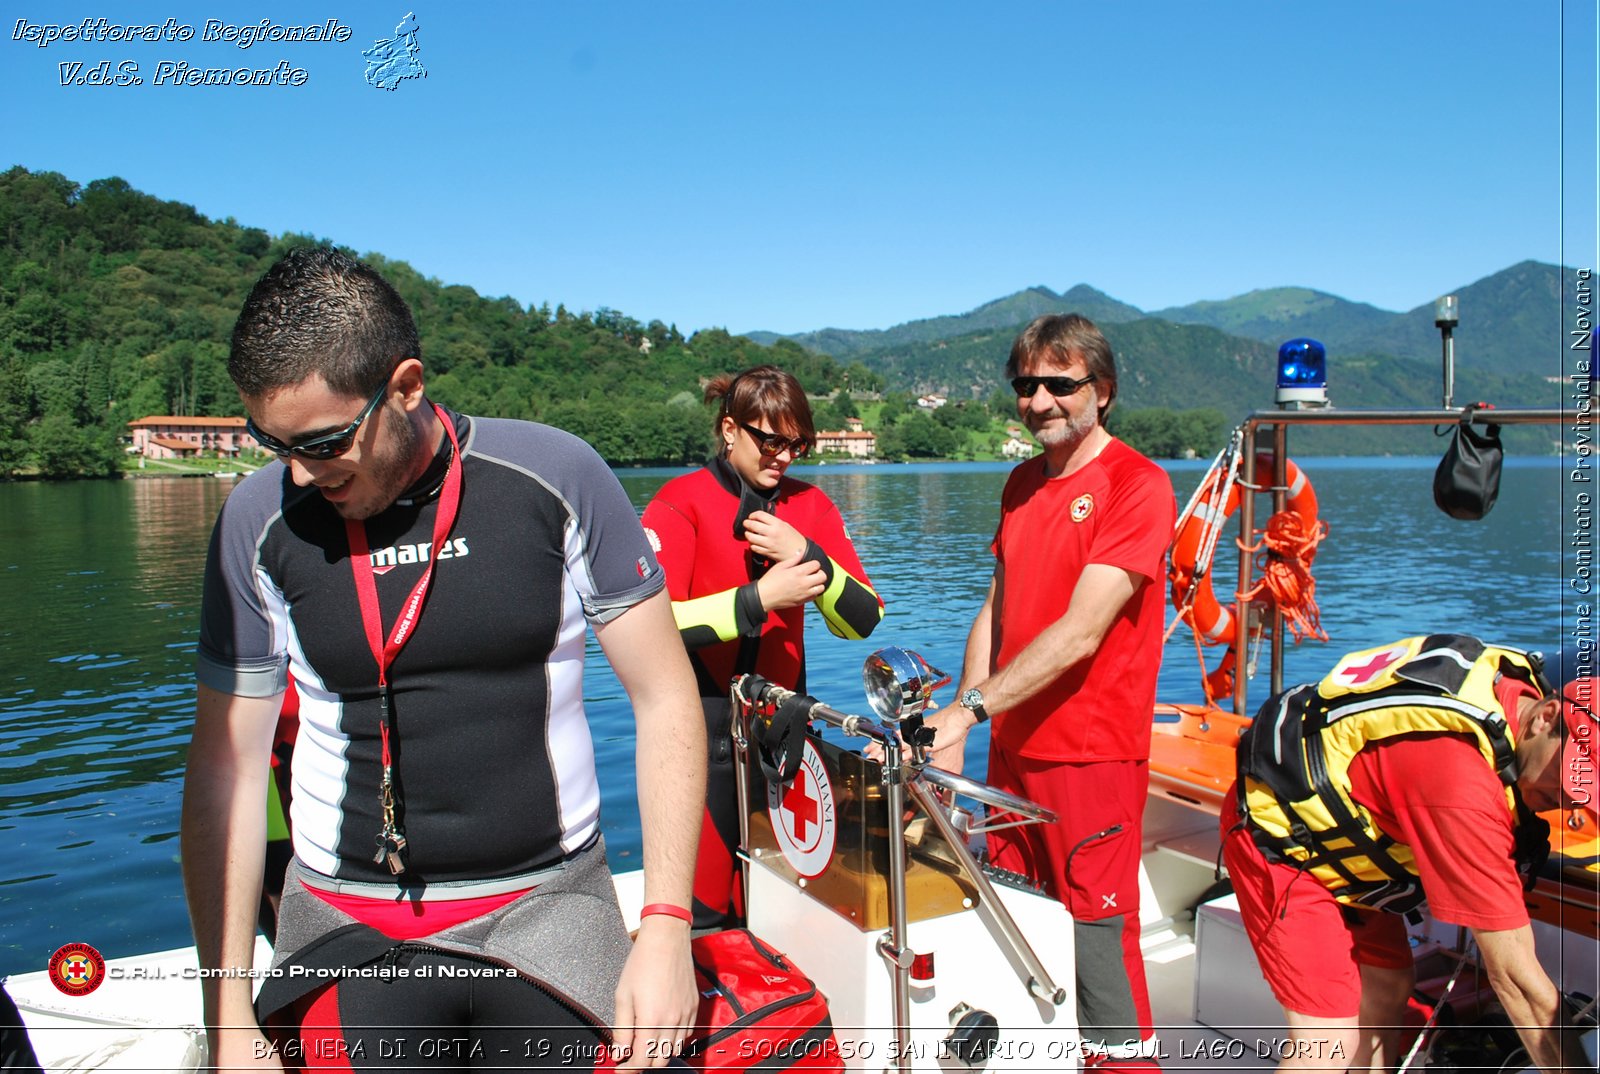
x=1280 y=420
x=993 y=797
x=898 y=778
x=989 y=906
x=1432 y=416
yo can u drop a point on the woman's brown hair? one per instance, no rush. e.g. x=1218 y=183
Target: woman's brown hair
x=762 y=391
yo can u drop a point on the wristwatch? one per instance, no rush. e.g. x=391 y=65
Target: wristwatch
x=972 y=698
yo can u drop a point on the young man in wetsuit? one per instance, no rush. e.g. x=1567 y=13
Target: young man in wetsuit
x=1411 y=771
x=1064 y=655
x=427 y=579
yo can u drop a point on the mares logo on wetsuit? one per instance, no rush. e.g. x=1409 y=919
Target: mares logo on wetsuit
x=385 y=560
x=77 y=969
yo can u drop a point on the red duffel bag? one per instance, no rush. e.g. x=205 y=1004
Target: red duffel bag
x=757 y=1009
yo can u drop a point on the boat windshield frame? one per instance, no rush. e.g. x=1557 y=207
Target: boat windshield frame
x=1274 y=425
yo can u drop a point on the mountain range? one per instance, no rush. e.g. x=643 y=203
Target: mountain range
x=115 y=304
x=1510 y=322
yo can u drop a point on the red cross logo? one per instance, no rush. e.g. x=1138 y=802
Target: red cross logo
x=76 y=969
x=802 y=815
x=801 y=805
x=1357 y=674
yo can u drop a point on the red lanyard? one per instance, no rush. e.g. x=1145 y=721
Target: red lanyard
x=391 y=843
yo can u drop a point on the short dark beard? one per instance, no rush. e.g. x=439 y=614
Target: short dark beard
x=395 y=464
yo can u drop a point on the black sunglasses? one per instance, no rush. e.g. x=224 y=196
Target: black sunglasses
x=320 y=448
x=1026 y=387
x=772 y=443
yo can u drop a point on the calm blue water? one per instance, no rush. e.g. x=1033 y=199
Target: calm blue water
x=99 y=584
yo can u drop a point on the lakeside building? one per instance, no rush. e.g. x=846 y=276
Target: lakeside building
x=164 y=436
x=1016 y=449
x=856 y=442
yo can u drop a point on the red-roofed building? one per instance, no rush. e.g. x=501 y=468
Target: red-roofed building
x=167 y=437
x=860 y=444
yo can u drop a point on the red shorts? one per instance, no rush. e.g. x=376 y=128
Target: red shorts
x=1089 y=860
x=1310 y=947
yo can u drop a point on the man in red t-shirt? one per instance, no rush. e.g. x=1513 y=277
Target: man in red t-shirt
x=1343 y=972
x=1064 y=655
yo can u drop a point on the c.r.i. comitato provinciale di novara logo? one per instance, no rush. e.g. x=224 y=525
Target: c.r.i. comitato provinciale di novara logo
x=77 y=969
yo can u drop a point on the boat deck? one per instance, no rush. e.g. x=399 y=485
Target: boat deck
x=1212 y=1009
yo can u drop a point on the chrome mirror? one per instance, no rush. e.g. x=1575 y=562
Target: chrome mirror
x=899 y=683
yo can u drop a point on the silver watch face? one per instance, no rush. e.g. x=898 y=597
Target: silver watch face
x=971 y=698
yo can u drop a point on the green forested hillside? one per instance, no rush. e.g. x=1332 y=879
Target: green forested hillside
x=115 y=305
x=1173 y=366
x=1512 y=321
x=1280 y=313
x=1004 y=313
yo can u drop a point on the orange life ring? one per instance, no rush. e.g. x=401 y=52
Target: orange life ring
x=1211 y=620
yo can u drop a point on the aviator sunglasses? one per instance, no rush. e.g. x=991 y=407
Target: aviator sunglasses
x=320 y=448
x=1025 y=387
x=772 y=443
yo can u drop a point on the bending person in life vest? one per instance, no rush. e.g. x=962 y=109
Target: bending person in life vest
x=1412 y=773
x=746 y=548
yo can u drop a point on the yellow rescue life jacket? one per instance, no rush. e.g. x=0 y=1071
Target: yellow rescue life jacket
x=1294 y=761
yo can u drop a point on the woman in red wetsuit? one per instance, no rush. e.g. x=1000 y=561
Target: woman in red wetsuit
x=746 y=548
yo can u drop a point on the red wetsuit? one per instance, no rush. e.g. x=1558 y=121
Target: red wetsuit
x=711 y=576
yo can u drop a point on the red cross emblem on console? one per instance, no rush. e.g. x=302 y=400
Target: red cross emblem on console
x=803 y=815
x=801 y=804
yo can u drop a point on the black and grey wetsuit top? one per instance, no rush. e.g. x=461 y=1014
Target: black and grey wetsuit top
x=493 y=754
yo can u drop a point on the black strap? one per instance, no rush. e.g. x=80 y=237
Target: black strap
x=348 y=946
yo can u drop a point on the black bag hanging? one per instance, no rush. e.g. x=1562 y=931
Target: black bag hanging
x=1467 y=482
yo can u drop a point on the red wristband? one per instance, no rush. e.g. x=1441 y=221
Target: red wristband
x=668 y=910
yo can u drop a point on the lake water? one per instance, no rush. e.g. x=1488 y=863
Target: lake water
x=99 y=590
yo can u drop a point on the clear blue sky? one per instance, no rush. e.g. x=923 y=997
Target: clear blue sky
x=790 y=166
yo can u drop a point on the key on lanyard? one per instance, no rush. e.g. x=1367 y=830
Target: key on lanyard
x=391 y=841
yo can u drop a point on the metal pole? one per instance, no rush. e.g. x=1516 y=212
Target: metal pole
x=739 y=727
x=1241 y=607
x=1280 y=498
x=1446 y=315
x=990 y=908
x=894 y=947
x=1449 y=358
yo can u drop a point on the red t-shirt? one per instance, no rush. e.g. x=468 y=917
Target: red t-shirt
x=1435 y=794
x=1118 y=510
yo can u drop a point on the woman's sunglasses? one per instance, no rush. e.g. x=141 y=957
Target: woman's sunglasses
x=320 y=448
x=772 y=443
x=1026 y=387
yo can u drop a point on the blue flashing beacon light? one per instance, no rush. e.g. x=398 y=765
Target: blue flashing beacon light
x=1302 y=374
